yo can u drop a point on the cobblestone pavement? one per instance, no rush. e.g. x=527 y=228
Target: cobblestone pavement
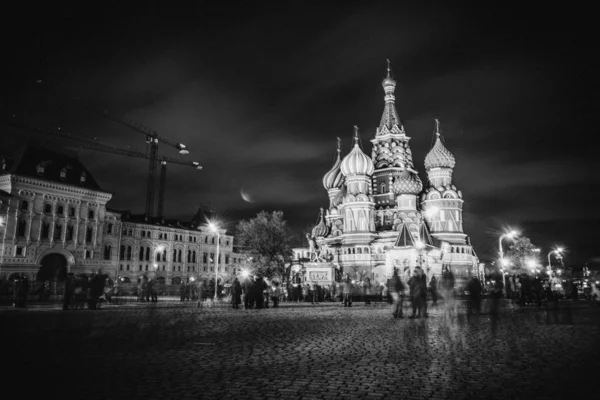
x=176 y=351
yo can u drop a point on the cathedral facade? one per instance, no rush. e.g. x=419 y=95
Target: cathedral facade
x=381 y=216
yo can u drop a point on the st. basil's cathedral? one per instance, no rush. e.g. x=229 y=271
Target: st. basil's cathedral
x=381 y=216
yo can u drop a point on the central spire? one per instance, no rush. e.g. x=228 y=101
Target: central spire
x=355 y=135
x=390 y=118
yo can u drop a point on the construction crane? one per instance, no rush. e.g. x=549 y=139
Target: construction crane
x=152 y=138
x=82 y=143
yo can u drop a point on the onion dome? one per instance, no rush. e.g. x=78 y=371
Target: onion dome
x=357 y=162
x=321 y=229
x=407 y=183
x=334 y=179
x=439 y=156
x=388 y=81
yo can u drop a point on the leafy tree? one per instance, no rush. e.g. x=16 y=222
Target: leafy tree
x=519 y=253
x=267 y=240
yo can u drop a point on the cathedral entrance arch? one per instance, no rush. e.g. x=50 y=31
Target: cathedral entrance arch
x=54 y=267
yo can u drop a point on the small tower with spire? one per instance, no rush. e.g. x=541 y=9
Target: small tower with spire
x=442 y=202
x=358 y=205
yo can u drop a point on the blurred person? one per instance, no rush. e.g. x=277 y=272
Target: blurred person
x=236 y=293
x=258 y=289
x=182 y=291
x=366 y=289
x=447 y=286
x=474 y=288
x=396 y=288
x=433 y=288
x=276 y=295
x=69 y=290
x=414 y=285
x=423 y=294
x=200 y=302
x=347 y=292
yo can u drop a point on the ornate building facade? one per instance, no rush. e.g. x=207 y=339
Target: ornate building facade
x=381 y=216
x=54 y=217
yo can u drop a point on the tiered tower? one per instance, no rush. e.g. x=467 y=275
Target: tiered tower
x=395 y=180
x=442 y=202
x=358 y=205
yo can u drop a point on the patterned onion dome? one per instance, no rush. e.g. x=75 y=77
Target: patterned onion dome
x=357 y=162
x=407 y=183
x=334 y=179
x=321 y=230
x=439 y=156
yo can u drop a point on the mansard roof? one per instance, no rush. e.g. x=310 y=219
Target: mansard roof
x=27 y=159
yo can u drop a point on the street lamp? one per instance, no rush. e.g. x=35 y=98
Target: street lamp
x=215 y=229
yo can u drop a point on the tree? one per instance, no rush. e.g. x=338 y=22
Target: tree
x=520 y=253
x=267 y=239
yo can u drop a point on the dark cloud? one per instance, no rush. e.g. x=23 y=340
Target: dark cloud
x=259 y=94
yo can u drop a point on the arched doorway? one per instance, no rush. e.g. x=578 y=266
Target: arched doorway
x=54 y=268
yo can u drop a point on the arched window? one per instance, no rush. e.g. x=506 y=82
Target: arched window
x=141 y=255
x=147 y=253
x=157 y=256
x=213 y=240
x=382 y=188
x=194 y=256
x=122 y=253
x=189 y=257
x=359 y=251
x=179 y=256
x=21 y=229
x=128 y=252
x=174 y=255
x=164 y=257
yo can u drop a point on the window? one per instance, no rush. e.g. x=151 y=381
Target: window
x=227 y=242
x=157 y=258
x=109 y=229
x=90 y=214
x=121 y=267
x=107 y=253
x=205 y=268
x=206 y=239
x=194 y=256
x=189 y=257
x=179 y=256
x=45 y=230
x=382 y=188
x=128 y=252
x=71 y=211
x=21 y=228
x=127 y=267
x=60 y=210
x=57 y=232
x=174 y=255
x=141 y=254
x=24 y=205
x=205 y=258
x=141 y=267
x=70 y=232
x=20 y=251
x=226 y=259
x=47 y=208
x=143 y=233
x=88 y=235
x=147 y=253
x=88 y=254
x=213 y=240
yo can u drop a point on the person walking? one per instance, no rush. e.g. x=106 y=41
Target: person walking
x=475 y=295
x=69 y=290
x=414 y=284
x=259 y=288
x=347 y=292
x=236 y=293
x=433 y=288
x=423 y=293
x=396 y=288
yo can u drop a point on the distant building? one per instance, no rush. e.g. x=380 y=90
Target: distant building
x=54 y=220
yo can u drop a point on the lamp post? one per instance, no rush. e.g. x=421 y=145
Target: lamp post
x=215 y=229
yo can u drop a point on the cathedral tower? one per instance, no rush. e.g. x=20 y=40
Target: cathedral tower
x=395 y=178
x=442 y=202
x=358 y=205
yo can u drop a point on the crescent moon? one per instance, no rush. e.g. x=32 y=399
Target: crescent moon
x=245 y=196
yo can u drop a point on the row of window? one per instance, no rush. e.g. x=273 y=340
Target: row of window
x=176 y=236
x=60 y=209
x=145 y=251
x=57 y=235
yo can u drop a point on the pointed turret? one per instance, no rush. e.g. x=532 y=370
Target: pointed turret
x=439 y=156
x=390 y=122
x=334 y=178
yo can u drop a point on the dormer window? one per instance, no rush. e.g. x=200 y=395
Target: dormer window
x=40 y=168
x=82 y=177
x=63 y=173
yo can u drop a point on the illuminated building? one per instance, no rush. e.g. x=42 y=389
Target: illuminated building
x=381 y=216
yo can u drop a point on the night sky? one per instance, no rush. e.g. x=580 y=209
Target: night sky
x=259 y=94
